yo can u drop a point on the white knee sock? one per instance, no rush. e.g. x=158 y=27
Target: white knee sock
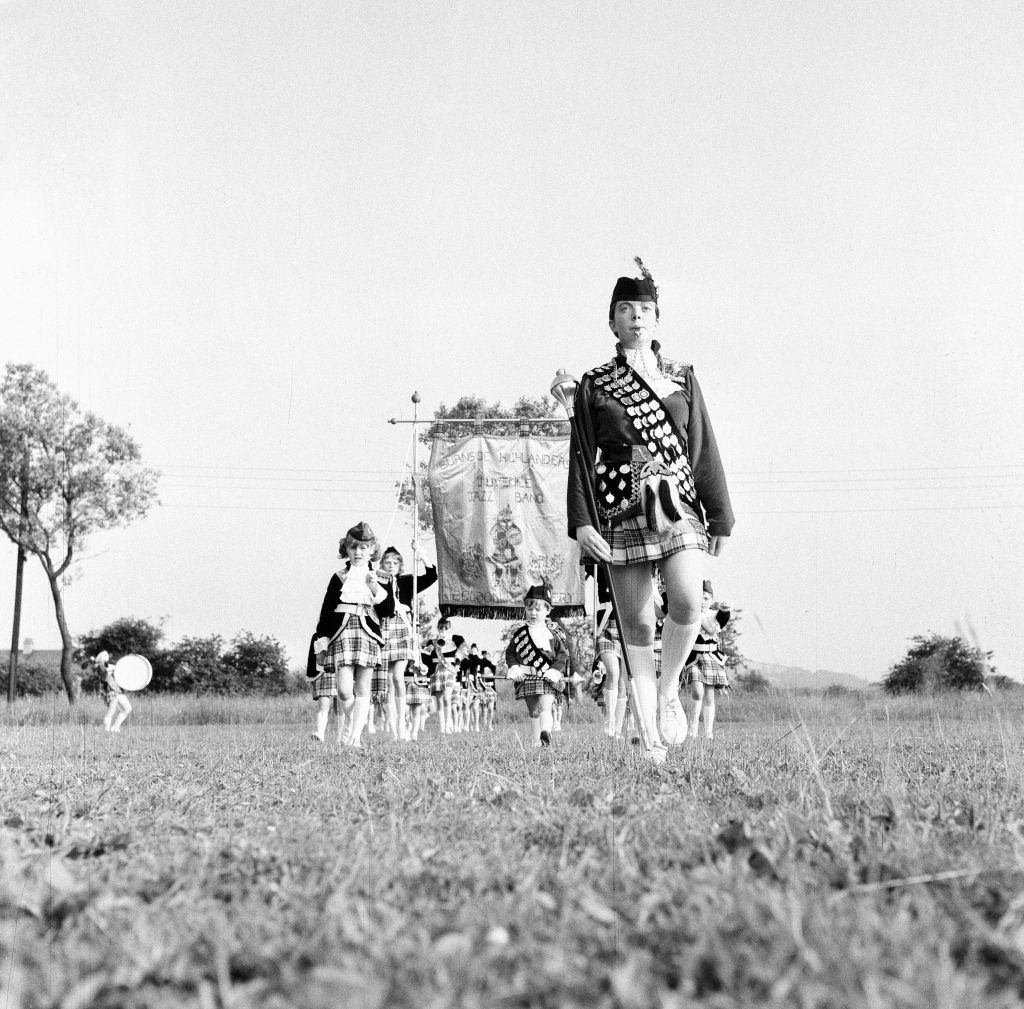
x=546 y=721
x=641 y=662
x=321 y=723
x=621 y=703
x=709 y=715
x=677 y=642
x=695 y=720
x=360 y=710
x=535 y=730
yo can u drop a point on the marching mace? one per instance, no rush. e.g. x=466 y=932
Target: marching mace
x=563 y=388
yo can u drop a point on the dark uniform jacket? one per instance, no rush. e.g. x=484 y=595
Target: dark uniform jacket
x=602 y=422
x=330 y=620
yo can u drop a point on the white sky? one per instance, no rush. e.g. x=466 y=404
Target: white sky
x=248 y=231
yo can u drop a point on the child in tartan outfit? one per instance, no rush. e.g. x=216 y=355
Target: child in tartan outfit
x=537 y=659
x=346 y=645
x=705 y=665
x=399 y=646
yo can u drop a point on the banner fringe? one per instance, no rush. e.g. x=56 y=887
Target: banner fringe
x=504 y=612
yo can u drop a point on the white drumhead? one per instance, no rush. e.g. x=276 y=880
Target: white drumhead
x=133 y=672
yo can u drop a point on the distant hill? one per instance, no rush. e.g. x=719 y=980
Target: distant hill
x=800 y=678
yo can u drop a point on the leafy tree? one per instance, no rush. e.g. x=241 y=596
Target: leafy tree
x=64 y=474
x=936 y=662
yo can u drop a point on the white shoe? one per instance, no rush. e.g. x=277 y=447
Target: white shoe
x=673 y=721
x=656 y=754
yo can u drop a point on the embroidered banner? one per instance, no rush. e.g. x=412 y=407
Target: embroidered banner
x=499 y=519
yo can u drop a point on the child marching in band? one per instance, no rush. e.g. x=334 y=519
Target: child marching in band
x=705 y=668
x=362 y=632
x=346 y=646
x=399 y=646
x=537 y=659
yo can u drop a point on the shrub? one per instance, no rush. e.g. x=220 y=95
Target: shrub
x=33 y=679
x=1001 y=682
x=192 y=665
x=935 y=663
x=256 y=665
x=122 y=637
x=752 y=681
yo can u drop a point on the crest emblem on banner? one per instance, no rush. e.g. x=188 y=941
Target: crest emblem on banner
x=499 y=520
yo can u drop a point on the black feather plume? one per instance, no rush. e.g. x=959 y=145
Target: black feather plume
x=646 y=274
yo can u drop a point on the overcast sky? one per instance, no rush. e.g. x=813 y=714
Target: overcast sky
x=248 y=231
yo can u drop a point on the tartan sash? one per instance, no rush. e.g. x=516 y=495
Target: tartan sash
x=529 y=654
x=662 y=449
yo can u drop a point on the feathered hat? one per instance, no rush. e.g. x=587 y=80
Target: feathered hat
x=361 y=533
x=540 y=591
x=640 y=288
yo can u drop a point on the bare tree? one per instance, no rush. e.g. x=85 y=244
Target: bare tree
x=64 y=474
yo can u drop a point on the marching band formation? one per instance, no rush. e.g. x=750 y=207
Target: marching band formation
x=647 y=502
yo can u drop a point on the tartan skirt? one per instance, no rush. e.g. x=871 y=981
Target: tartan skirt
x=352 y=647
x=608 y=642
x=633 y=543
x=325 y=685
x=399 y=645
x=707 y=670
x=379 y=684
x=443 y=678
x=534 y=686
x=416 y=692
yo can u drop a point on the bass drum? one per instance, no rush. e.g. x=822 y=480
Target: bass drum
x=133 y=672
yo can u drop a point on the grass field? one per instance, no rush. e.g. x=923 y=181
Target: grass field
x=861 y=852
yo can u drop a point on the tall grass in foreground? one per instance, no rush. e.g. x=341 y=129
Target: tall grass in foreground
x=859 y=852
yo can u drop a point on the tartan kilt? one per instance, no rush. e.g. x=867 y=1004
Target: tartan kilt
x=533 y=686
x=399 y=645
x=633 y=543
x=443 y=678
x=379 y=684
x=352 y=646
x=657 y=662
x=416 y=693
x=708 y=671
x=489 y=697
x=325 y=685
x=608 y=641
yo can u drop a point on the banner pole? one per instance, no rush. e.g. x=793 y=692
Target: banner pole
x=415 y=520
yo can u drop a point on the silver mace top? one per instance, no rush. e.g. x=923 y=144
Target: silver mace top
x=563 y=388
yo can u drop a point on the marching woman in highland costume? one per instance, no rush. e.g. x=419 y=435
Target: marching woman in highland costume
x=537 y=659
x=399 y=646
x=347 y=643
x=650 y=455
